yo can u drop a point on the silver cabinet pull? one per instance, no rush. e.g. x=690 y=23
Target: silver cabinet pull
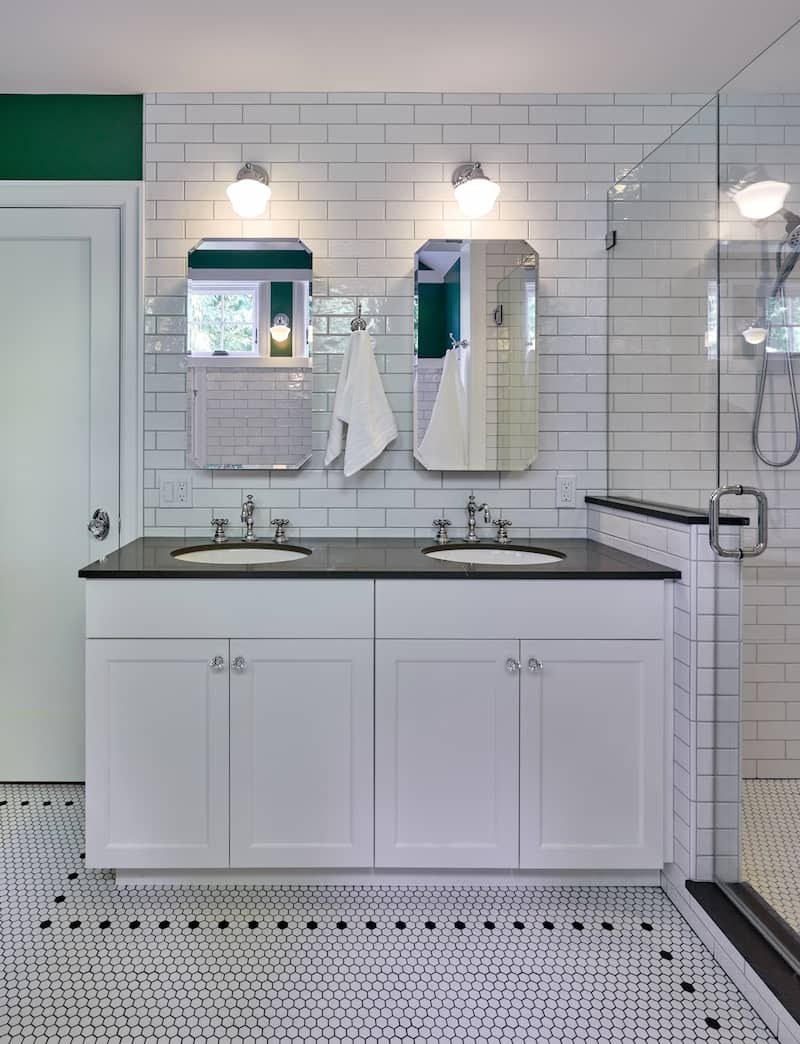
x=535 y=665
x=239 y=664
x=216 y=663
x=512 y=665
x=99 y=524
x=760 y=545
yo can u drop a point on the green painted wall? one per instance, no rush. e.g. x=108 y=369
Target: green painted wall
x=70 y=137
x=452 y=303
x=439 y=314
x=431 y=343
x=281 y=300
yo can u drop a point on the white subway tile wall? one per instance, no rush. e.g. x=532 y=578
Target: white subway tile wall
x=706 y=649
x=364 y=180
x=249 y=416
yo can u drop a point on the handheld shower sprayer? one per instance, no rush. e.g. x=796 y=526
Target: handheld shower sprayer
x=785 y=260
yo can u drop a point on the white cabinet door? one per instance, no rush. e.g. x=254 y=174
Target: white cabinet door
x=301 y=753
x=446 y=754
x=591 y=755
x=156 y=753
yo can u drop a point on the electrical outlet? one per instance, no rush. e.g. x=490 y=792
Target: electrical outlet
x=175 y=489
x=565 y=491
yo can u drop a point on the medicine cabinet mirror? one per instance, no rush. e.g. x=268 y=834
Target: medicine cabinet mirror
x=475 y=370
x=249 y=353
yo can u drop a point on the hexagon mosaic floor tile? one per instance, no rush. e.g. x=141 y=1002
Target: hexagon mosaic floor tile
x=84 y=961
x=771 y=843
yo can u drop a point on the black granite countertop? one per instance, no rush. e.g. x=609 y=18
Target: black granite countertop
x=150 y=558
x=670 y=512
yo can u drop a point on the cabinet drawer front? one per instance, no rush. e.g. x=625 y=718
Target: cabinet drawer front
x=446 y=743
x=519 y=608
x=156 y=753
x=591 y=749
x=245 y=608
x=301 y=753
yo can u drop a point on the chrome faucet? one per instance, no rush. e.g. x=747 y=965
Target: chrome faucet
x=248 y=510
x=472 y=508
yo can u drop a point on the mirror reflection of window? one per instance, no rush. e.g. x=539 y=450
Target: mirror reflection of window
x=223 y=319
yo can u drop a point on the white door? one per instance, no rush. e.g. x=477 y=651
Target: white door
x=59 y=429
x=446 y=753
x=591 y=754
x=157 y=752
x=301 y=753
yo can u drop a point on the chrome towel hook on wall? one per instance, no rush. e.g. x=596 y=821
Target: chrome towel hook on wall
x=358 y=323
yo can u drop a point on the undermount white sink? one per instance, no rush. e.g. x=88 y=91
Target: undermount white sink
x=240 y=554
x=482 y=555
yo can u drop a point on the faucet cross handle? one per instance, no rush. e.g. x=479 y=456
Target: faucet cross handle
x=502 y=530
x=442 y=523
x=219 y=525
x=280 y=529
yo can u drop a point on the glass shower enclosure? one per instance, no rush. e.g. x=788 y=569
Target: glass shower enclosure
x=703 y=339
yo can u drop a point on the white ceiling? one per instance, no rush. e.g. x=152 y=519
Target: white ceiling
x=105 y=46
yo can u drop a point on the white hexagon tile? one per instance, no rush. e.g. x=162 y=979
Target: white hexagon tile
x=85 y=961
x=771 y=843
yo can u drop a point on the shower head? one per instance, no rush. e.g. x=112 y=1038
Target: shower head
x=787 y=253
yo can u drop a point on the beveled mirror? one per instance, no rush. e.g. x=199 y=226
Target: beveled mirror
x=475 y=369
x=249 y=353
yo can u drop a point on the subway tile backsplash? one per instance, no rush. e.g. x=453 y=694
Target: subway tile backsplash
x=364 y=179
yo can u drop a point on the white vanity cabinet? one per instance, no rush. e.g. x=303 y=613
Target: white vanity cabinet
x=301 y=753
x=446 y=746
x=535 y=740
x=378 y=727
x=217 y=752
x=157 y=752
x=591 y=754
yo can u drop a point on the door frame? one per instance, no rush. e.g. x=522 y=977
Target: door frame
x=126 y=197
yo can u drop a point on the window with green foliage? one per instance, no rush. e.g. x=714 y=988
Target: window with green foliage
x=783 y=315
x=223 y=319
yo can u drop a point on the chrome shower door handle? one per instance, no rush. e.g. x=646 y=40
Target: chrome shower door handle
x=762 y=507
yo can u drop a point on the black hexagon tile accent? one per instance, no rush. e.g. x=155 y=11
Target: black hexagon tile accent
x=84 y=960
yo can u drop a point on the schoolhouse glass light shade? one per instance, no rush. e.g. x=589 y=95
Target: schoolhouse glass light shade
x=250 y=193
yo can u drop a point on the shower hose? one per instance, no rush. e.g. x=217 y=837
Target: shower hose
x=791 y=242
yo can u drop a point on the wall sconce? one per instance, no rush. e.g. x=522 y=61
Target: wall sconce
x=250 y=193
x=280 y=328
x=475 y=193
x=761 y=199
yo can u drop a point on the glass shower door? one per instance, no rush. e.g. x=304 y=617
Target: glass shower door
x=757 y=715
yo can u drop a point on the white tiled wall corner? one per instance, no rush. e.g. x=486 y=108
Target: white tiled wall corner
x=706 y=612
x=363 y=183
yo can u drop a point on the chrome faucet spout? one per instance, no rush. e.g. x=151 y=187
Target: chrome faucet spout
x=473 y=507
x=248 y=512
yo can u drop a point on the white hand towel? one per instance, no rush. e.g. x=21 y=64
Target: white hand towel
x=360 y=403
x=444 y=444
